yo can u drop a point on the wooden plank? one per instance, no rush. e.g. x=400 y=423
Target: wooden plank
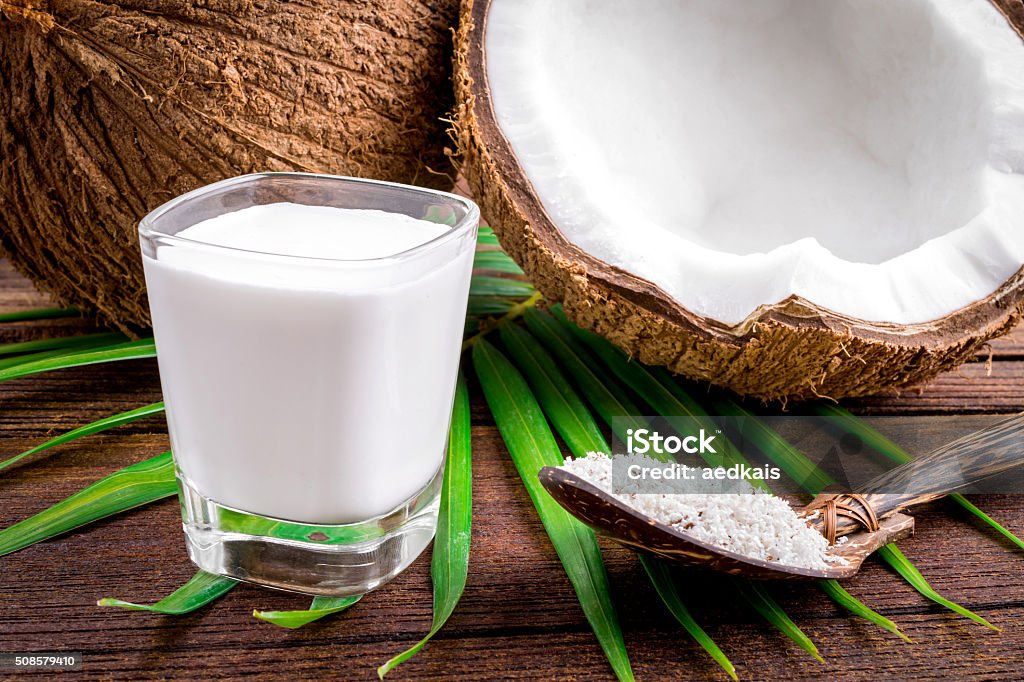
x=518 y=610
x=17 y=294
x=976 y=387
x=519 y=618
x=1009 y=347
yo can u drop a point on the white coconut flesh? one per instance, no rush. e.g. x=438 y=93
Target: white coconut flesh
x=865 y=155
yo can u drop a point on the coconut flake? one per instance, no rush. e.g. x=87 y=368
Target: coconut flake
x=753 y=523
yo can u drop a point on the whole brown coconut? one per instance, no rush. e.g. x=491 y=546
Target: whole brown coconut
x=793 y=349
x=110 y=109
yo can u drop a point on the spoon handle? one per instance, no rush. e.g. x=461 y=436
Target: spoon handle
x=975 y=457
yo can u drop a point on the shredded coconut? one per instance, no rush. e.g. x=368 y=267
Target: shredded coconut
x=753 y=523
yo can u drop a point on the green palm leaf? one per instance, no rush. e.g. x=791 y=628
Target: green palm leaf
x=575 y=424
x=667 y=399
x=88 y=430
x=61 y=343
x=319 y=608
x=560 y=402
x=798 y=467
x=660 y=575
x=608 y=398
x=840 y=596
x=199 y=591
x=130 y=350
x=496 y=260
x=449 y=566
x=756 y=596
x=482 y=285
x=38 y=314
x=14 y=361
x=532 y=446
x=895 y=558
x=485 y=305
x=486 y=237
x=135 y=485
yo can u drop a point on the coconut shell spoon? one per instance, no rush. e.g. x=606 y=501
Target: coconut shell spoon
x=869 y=520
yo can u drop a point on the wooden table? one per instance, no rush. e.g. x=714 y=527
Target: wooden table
x=519 y=617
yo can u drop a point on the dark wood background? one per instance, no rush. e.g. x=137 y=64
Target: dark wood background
x=519 y=617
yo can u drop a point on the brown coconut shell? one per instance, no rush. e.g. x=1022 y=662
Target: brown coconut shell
x=110 y=109
x=790 y=350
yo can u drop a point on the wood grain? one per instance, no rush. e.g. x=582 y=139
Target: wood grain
x=518 y=619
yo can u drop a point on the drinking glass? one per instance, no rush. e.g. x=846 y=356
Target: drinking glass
x=308 y=399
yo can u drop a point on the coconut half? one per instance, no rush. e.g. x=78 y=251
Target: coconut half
x=791 y=198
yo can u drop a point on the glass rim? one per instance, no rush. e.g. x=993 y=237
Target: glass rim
x=468 y=221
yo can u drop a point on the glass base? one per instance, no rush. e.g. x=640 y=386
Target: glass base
x=331 y=560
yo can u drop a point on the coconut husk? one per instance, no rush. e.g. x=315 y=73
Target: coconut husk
x=110 y=109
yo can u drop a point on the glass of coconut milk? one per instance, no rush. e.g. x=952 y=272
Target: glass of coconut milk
x=308 y=333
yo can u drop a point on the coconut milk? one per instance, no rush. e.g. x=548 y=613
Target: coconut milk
x=307 y=388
